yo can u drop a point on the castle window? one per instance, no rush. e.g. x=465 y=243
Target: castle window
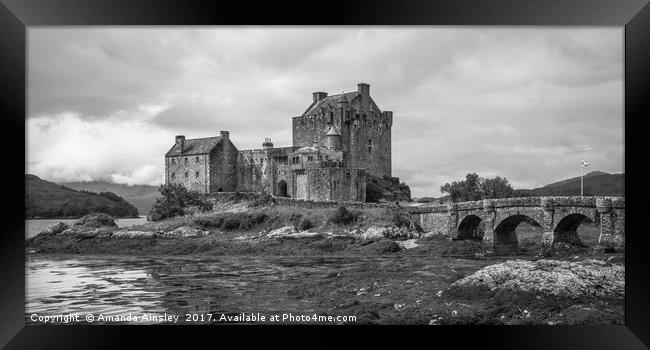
x=173 y=161
x=197 y=160
x=369 y=149
x=197 y=174
x=331 y=117
x=173 y=176
x=187 y=175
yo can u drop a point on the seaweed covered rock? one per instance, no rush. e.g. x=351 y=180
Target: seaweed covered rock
x=590 y=278
x=392 y=232
x=58 y=228
x=96 y=220
x=380 y=247
x=185 y=232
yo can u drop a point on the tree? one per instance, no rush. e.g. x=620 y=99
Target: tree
x=497 y=187
x=175 y=199
x=475 y=188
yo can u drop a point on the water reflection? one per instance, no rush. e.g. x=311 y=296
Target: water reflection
x=174 y=285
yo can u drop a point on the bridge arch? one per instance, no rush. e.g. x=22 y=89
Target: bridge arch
x=471 y=227
x=566 y=229
x=505 y=232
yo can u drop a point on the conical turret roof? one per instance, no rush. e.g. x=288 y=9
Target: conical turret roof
x=334 y=131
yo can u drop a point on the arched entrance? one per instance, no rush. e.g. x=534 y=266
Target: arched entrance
x=282 y=189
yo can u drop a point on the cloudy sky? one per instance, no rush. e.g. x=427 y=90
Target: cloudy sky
x=104 y=103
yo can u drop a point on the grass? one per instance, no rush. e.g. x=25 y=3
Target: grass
x=256 y=217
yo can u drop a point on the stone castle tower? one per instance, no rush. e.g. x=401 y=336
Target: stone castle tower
x=365 y=130
x=337 y=141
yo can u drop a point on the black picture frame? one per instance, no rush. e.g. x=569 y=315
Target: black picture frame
x=634 y=15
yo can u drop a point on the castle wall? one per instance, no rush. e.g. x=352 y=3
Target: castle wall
x=330 y=184
x=190 y=170
x=223 y=167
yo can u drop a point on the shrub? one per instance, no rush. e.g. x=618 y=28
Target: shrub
x=306 y=223
x=208 y=222
x=263 y=200
x=342 y=216
x=251 y=220
x=231 y=223
x=174 y=200
x=401 y=219
x=373 y=193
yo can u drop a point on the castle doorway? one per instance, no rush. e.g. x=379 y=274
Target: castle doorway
x=282 y=189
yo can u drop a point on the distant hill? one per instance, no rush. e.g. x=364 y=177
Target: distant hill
x=44 y=199
x=141 y=196
x=596 y=183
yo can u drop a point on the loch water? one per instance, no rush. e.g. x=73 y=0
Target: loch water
x=123 y=285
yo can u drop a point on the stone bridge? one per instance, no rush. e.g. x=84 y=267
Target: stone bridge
x=495 y=220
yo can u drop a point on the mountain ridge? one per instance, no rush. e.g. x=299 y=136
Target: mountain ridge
x=45 y=199
x=141 y=196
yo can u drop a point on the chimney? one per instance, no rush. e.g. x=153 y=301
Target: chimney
x=319 y=96
x=225 y=135
x=388 y=116
x=180 y=140
x=364 y=89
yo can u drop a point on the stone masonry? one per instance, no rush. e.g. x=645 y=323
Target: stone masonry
x=495 y=220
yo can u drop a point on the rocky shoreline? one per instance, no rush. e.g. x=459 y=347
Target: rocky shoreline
x=477 y=287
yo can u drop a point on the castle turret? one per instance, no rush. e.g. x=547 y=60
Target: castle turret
x=334 y=138
x=267 y=143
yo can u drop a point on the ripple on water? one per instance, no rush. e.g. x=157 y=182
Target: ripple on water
x=115 y=285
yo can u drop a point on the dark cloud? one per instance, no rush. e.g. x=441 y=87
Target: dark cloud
x=524 y=103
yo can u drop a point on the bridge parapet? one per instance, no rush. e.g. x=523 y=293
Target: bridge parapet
x=559 y=216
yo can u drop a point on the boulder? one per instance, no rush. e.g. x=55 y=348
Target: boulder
x=305 y=234
x=132 y=234
x=408 y=244
x=282 y=231
x=58 y=228
x=375 y=232
x=184 y=232
x=592 y=278
x=96 y=220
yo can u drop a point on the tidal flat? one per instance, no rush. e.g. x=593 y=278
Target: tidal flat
x=394 y=275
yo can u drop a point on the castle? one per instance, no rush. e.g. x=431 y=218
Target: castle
x=337 y=141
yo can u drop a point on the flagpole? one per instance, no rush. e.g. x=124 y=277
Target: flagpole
x=581 y=183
